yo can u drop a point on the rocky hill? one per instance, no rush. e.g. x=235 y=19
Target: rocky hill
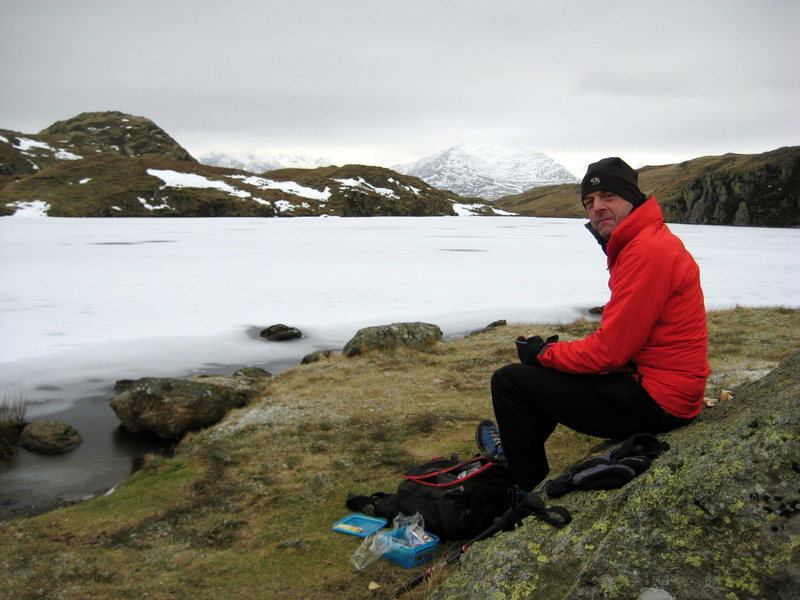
x=116 y=165
x=733 y=189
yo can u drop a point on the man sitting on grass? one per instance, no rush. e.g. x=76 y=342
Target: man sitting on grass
x=645 y=368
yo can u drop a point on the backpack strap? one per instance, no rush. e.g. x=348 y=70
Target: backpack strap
x=640 y=444
x=531 y=504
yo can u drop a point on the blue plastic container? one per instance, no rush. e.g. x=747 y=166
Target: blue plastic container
x=358 y=524
x=410 y=557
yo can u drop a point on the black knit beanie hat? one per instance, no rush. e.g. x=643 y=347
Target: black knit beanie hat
x=613 y=175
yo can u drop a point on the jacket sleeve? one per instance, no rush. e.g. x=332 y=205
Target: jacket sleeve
x=640 y=285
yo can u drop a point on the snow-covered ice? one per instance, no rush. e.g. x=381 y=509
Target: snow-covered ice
x=85 y=302
x=103 y=299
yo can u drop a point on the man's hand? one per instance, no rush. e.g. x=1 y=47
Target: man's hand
x=529 y=348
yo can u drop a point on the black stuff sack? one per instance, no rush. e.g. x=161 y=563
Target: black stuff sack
x=457 y=498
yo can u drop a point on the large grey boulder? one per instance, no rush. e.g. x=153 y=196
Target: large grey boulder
x=49 y=437
x=170 y=408
x=394 y=335
x=716 y=516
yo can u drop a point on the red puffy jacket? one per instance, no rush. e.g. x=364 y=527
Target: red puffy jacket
x=655 y=318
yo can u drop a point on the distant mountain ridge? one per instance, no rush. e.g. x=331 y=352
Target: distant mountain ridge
x=487 y=171
x=262 y=162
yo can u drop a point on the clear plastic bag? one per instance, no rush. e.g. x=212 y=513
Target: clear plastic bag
x=376 y=545
x=372 y=548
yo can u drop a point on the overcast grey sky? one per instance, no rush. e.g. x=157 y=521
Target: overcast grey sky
x=390 y=81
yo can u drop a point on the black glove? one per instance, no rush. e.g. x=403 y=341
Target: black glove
x=529 y=349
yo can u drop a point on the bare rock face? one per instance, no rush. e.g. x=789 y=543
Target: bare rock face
x=716 y=516
x=49 y=437
x=389 y=337
x=170 y=408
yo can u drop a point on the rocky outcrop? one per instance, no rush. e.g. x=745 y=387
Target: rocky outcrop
x=716 y=516
x=49 y=437
x=170 y=408
x=389 y=337
x=280 y=333
x=762 y=192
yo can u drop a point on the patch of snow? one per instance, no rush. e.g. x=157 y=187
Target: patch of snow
x=503 y=213
x=148 y=206
x=467 y=210
x=35 y=208
x=66 y=155
x=289 y=187
x=284 y=205
x=177 y=179
x=85 y=180
x=4 y=139
x=361 y=183
x=26 y=144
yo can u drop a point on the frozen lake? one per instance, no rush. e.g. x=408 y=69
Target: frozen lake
x=85 y=302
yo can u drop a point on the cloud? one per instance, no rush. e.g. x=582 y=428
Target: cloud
x=390 y=81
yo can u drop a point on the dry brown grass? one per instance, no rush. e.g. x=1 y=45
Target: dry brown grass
x=244 y=509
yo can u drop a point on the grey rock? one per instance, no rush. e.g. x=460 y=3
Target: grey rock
x=490 y=326
x=716 y=516
x=170 y=408
x=49 y=437
x=252 y=372
x=280 y=333
x=316 y=356
x=394 y=335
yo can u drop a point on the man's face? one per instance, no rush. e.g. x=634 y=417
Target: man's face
x=606 y=210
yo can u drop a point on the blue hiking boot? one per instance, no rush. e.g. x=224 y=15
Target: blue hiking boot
x=488 y=437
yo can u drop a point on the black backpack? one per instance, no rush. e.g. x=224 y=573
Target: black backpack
x=456 y=498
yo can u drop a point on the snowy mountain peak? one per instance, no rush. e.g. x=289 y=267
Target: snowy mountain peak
x=487 y=171
x=262 y=162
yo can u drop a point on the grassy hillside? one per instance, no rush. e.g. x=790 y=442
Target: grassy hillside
x=768 y=183
x=244 y=509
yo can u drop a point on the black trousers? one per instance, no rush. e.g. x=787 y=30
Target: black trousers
x=529 y=401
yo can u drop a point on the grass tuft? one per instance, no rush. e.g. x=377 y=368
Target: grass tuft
x=13 y=414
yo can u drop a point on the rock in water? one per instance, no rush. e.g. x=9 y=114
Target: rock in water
x=50 y=437
x=280 y=333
